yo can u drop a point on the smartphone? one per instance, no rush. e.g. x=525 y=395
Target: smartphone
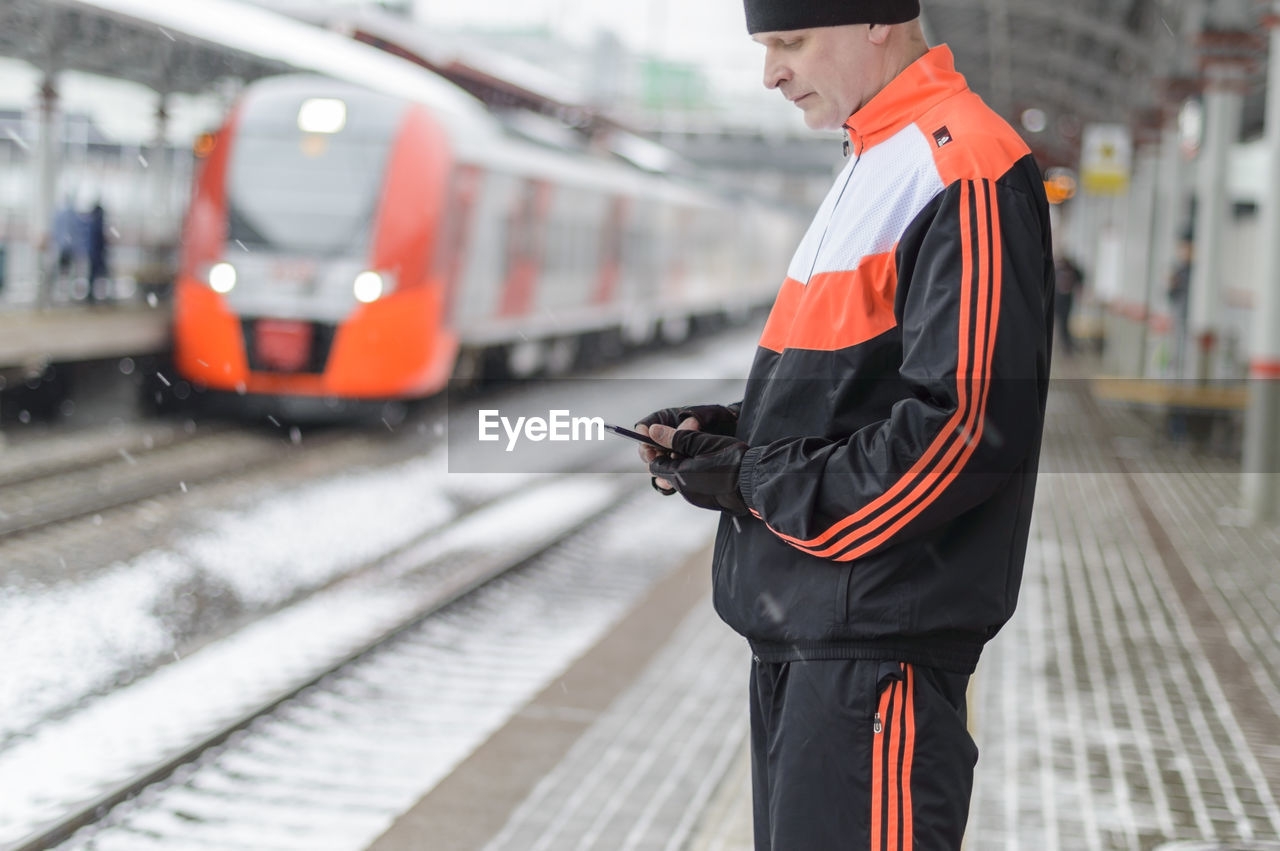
x=636 y=436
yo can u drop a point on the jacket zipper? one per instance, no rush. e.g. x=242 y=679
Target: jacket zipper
x=848 y=130
x=826 y=227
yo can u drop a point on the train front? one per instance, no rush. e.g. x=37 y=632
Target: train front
x=309 y=269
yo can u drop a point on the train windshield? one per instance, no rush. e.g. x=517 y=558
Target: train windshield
x=299 y=185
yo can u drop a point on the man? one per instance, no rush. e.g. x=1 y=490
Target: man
x=1179 y=293
x=876 y=480
x=65 y=224
x=97 y=252
x=1069 y=282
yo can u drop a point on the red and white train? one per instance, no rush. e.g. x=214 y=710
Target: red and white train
x=348 y=244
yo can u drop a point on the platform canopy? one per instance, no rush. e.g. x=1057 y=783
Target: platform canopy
x=178 y=46
x=1090 y=61
x=1063 y=65
x=182 y=46
x=54 y=36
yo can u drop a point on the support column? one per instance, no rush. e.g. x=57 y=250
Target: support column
x=1261 y=468
x=159 y=217
x=1147 y=186
x=42 y=192
x=1228 y=50
x=1172 y=218
x=1224 y=102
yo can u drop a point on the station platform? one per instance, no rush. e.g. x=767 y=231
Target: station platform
x=1133 y=702
x=31 y=339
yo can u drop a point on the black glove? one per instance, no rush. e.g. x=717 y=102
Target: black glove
x=713 y=419
x=704 y=469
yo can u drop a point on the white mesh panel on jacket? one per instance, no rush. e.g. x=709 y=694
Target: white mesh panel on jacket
x=890 y=184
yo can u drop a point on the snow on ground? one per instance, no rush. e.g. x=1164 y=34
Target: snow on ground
x=69 y=641
x=335 y=766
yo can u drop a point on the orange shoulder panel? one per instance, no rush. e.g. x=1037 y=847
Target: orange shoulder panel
x=970 y=142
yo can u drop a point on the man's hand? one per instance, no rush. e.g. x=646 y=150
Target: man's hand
x=715 y=419
x=703 y=467
x=648 y=453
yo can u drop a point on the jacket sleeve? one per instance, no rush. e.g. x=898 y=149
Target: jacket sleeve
x=974 y=303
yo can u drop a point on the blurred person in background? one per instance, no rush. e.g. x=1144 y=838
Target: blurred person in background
x=875 y=483
x=1179 y=295
x=1069 y=285
x=66 y=224
x=97 y=247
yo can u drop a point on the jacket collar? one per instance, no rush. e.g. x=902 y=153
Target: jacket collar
x=924 y=84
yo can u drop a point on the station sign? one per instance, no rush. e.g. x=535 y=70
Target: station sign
x=1106 y=159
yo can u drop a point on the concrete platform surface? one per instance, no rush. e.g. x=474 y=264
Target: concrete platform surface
x=33 y=338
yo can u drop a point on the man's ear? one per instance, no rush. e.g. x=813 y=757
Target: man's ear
x=878 y=34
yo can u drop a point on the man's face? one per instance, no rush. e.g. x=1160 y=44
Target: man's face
x=828 y=72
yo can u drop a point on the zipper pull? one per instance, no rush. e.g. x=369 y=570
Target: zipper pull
x=846 y=146
x=878 y=727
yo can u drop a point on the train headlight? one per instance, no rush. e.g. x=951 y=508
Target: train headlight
x=322 y=115
x=222 y=277
x=369 y=287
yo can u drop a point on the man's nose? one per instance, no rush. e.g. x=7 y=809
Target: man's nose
x=775 y=72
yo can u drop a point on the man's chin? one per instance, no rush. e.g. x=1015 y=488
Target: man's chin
x=815 y=121
x=816 y=118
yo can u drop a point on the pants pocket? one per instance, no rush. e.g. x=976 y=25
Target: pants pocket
x=886 y=673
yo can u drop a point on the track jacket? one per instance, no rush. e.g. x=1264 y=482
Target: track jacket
x=895 y=404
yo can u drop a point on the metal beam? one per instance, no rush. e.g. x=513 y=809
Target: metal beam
x=1087 y=98
x=1108 y=33
x=57 y=35
x=1037 y=60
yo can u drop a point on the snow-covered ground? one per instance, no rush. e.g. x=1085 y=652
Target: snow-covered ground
x=71 y=640
x=335 y=766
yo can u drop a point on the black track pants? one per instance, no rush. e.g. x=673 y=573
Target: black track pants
x=853 y=755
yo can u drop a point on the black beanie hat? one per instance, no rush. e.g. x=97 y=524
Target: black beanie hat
x=780 y=15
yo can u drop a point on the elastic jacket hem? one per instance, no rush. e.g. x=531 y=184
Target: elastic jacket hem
x=955 y=652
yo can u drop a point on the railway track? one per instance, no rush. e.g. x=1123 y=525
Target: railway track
x=85 y=487
x=422 y=590
x=75 y=476
x=59 y=452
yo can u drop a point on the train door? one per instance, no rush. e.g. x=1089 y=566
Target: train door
x=527 y=225
x=611 y=255
x=455 y=240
